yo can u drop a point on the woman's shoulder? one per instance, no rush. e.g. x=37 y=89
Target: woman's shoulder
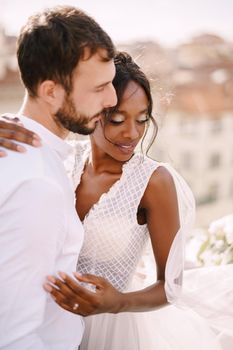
x=161 y=173
x=166 y=183
x=163 y=177
x=164 y=174
x=160 y=184
x=150 y=174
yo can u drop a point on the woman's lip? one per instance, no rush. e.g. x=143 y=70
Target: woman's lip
x=126 y=149
x=127 y=145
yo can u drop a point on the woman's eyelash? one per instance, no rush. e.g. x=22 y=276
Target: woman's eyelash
x=121 y=121
x=116 y=122
x=143 y=121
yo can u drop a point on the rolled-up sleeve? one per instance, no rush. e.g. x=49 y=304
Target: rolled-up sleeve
x=32 y=230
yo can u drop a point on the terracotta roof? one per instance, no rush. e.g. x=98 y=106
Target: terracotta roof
x=203 y=98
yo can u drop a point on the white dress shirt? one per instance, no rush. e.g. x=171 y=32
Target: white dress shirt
x=40 y=234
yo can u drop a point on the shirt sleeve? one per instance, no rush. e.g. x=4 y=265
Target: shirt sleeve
x=31 y=234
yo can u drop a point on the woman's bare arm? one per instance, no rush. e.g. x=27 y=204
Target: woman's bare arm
x=160 y=204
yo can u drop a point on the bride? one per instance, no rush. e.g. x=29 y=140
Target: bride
x=136 y=213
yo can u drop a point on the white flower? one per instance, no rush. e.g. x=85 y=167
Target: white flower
x=217 y=248
x=219 y=244
x=221 y=224
x=229 y=232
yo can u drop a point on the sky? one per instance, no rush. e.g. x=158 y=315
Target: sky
x=168 y=22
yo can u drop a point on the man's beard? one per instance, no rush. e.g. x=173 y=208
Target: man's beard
x=68 y=117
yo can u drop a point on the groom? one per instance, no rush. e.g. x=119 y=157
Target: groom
x=66 y=65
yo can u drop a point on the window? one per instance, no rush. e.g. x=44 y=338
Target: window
x=213 y=192
x=216 y=125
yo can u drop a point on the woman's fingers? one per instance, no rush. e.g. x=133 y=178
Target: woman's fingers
x=68 y=308
x=65 y=302
x=76 y=287
x=11 y=119
x=61 y=286
x=68 y=300
x=92 y=279
x=74 y=297
x=62 y=294
x=69 y=287
x=11 y=145
x=12 y=131
x=2 y=153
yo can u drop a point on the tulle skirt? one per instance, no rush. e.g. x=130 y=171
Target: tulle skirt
x=166 y=329
x=209 y=327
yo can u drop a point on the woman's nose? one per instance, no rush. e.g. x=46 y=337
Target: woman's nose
x=131 y=132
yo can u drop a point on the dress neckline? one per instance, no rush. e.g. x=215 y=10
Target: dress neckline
x=126 y=167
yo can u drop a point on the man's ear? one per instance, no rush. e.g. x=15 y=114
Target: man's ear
x=52 y=94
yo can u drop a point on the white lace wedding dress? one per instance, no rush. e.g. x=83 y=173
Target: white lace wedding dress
x=116 y=248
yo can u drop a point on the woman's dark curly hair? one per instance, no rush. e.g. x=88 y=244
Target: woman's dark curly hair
x=127 y=70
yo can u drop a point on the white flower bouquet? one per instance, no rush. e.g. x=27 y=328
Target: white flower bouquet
x=217 y=246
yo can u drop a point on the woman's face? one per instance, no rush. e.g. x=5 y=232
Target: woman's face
x=119 y=136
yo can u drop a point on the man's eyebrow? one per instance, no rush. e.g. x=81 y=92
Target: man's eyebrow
x=103 y=84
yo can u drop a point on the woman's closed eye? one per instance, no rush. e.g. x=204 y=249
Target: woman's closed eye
x=119 y=119
x=143 y=119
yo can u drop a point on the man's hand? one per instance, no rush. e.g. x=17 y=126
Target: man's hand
x=12 y=129
x=77 y=299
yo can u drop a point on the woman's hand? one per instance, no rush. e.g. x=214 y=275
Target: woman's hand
x=12 y=129
x=73 y=297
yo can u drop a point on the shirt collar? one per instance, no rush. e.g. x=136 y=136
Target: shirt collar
x=61 y=147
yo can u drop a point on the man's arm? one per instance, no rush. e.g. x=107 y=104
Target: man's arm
x=31 y=234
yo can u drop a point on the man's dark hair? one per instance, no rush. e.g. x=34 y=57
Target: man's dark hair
x=52 y=42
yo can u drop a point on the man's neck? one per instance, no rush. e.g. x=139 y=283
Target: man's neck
x=36 y=110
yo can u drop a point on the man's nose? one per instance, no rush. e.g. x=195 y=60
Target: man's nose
x=110 y=97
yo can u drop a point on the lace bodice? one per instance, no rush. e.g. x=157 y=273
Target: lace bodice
x=114 y=240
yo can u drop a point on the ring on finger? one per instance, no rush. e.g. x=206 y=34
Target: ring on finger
x=75 y=307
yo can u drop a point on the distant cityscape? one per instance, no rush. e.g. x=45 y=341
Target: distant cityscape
x=192 y=87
